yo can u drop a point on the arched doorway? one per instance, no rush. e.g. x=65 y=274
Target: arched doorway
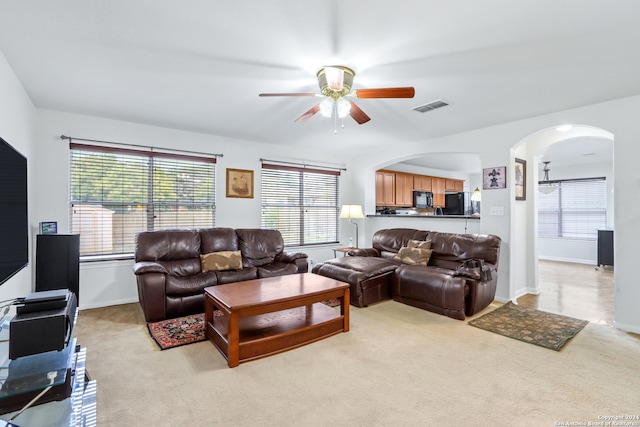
x=561 y=275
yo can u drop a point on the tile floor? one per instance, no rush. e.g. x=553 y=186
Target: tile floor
x=576 y=290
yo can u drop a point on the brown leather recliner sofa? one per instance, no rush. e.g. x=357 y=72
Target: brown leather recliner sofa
x=169 y=268
x=374 y=274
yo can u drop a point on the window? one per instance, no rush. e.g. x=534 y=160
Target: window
x=116 y=193
x=575 y=210
x=302 y=203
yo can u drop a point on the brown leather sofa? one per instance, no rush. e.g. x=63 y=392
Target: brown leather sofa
x=374 y=274
x=169 y=268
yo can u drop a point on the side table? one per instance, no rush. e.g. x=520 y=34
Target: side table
x=343 y=250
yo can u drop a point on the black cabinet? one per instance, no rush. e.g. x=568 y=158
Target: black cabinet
x=605 y=247
x=58 y=262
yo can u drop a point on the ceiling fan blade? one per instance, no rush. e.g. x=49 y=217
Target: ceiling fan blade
x=387 y=92
x=306 y=116
x=288 y=94
x=357 y=114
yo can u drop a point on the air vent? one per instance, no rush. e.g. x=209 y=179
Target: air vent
x=438 y=103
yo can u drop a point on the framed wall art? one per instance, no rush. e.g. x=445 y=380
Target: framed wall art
x=520 y=179
x=240 y=183
x=494 y=178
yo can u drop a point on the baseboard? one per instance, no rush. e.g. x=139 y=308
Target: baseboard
x=627 y=328
x=572 y=260
x=108 y=303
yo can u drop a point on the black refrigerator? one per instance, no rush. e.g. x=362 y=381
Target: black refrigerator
x=453 y=204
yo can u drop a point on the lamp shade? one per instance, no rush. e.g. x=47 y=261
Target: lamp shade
x=476 y=196
x=351 y=211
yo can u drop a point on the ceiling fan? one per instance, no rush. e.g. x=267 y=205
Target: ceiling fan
x=335 y=84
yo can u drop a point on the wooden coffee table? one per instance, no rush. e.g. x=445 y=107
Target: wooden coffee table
x=266 y=316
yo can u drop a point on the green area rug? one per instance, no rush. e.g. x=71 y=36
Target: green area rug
x=187 y=330
x=529 y=325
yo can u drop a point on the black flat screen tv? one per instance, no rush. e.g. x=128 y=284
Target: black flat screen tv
x=14 y=218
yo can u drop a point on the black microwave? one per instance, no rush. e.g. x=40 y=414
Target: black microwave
x=422 y=199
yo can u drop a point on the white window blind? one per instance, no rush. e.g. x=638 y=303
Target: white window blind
x=302 y=203
x=577 y=209
x=116 y=193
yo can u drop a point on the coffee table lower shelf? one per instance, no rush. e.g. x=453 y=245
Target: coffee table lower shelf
x=266 y=334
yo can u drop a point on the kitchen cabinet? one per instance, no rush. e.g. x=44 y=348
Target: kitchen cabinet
x=438 y=188
x=454 y=185
x=421 y=182
x=404 y=190
x=396 y=188
x=385 y=188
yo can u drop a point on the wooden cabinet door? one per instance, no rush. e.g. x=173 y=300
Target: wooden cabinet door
x=454 y=185
x=438 y=188
x=379 y=189
x=385 y=189
x=404 y=189
x=422 y=183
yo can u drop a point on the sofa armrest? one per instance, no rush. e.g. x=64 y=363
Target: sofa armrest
x=152 y=295
x=364 y=252
x=291 y=256
x=143 y=267
x=481 y=294
x=300 y=259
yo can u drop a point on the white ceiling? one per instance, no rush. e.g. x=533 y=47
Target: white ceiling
x=199 y=65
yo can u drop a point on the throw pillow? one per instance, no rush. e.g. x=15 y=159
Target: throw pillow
x=424 y=244
x=411 y=256
x=220 y=261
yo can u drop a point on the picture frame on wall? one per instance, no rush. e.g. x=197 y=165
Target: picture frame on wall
x=494 y=178
x=240 y=183
x=520 y=179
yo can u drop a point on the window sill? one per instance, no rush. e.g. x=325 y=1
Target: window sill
x=99 y=258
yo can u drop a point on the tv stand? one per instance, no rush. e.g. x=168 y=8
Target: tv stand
x=71 y=399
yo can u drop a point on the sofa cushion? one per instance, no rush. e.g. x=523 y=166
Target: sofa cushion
x=389 y=241
x=230 y=276
x=277 y=269
x=218 y=239
x=367 y=266
x=182 y=267
x=167 y=245
x=189 y=285
x=220 y=261
x=259 y=246
x=407 y=255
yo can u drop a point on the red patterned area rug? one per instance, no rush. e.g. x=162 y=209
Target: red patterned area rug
x=176 y=332
x=187 y=330
x=529 y=325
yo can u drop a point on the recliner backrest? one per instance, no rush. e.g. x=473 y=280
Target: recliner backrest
x=259 y=246
x=450 y=249
x=389 y=241
x=167 y=245
x=218 y=239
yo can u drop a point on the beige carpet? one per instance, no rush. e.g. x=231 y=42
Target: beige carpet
x=398 y=366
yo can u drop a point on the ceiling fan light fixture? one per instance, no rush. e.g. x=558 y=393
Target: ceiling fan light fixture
x=335 y=81
x=326 y=107
x=343 y=107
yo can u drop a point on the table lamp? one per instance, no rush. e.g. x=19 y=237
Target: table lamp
x=350 y=212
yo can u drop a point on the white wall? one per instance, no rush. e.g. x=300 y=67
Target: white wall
x=48 y=187
x=17 y=127
x=107 y=283
x=496 y=146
